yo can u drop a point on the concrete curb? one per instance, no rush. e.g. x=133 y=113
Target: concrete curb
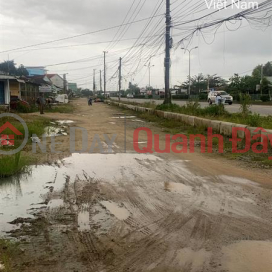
x=224 y=128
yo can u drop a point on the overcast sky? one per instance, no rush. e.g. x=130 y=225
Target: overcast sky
x=29 y=22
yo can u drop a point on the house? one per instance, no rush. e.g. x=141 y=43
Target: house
x=30 y=90
x=36 y=70
x=10 y=87
x=56 y=80
x=37 y=84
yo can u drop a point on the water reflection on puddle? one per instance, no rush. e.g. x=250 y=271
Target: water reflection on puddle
x=24 y=195
x=83 y=218
x=120 y=213
x=54 y=131
x=64 y=122
x=55 y=203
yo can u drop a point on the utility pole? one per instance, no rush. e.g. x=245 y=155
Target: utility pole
x=149 y=68
x=64 y=83
x=261 y=80
x=9 y=95
x=105 y=52
x=101 y=81
x=94 y=86
x=189 y=92
x=167 y=59
x=120 y=77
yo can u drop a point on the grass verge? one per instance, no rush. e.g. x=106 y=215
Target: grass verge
x=174 y=127
x=213 y=112
x=13 y=164
x=8 y=251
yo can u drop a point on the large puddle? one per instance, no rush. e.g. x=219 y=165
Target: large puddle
x=152 y=181
x=25 y=195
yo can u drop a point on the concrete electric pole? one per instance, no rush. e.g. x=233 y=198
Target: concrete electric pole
x=101 y=81
x=168 y=45
x=94 y=85
x=65 y=83
x=105 y=52
x=120 y=77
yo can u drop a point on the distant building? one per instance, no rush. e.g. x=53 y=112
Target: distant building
x=56 y=80
x=72 y=87
x=36 y=70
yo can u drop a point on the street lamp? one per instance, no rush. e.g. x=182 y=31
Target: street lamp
x=149 y=68
x=189 y=65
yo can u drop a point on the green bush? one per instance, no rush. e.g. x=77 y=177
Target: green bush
x=171 y=107
x=203 y=96
x=214 y=110
x=253 y=120
x=10 y=165
x=245 y=104
x=23 y=108
x=265 y=98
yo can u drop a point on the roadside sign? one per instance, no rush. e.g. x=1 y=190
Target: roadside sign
x=45 y=89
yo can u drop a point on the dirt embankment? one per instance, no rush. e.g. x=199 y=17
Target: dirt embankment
x=134 y=212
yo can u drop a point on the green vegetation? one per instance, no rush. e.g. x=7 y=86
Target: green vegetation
x=8 y=251
x=62 y=108
x=13 y=164
x=219 y=113
x=177 y=127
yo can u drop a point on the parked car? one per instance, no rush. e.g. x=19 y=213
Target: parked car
x=226 y=98
x=62 y=98
x=15 y=102
x=130 y=96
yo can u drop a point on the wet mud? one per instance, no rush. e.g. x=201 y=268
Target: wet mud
x=143 y=214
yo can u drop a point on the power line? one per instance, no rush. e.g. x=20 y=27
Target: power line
x=76 y=36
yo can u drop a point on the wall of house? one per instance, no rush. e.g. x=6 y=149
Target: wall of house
x=57 y=81
x=14 y=87
x=29 y=92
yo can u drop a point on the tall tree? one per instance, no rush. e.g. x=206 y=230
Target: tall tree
x=267 y=70
x=9 y=68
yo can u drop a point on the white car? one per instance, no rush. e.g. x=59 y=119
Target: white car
x=130 y=96
x=226 y=98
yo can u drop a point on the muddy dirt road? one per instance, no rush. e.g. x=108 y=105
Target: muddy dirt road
x=137 y=212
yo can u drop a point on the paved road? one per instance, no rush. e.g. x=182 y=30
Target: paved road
x=262 y=110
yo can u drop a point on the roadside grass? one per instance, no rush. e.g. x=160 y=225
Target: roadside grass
x=8 y=251
x=174 y=127
x=62 y=108
x=59 y=108
x=13 y=164
x=213 y=112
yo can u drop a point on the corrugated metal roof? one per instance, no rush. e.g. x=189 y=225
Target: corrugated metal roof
x=7 y=77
